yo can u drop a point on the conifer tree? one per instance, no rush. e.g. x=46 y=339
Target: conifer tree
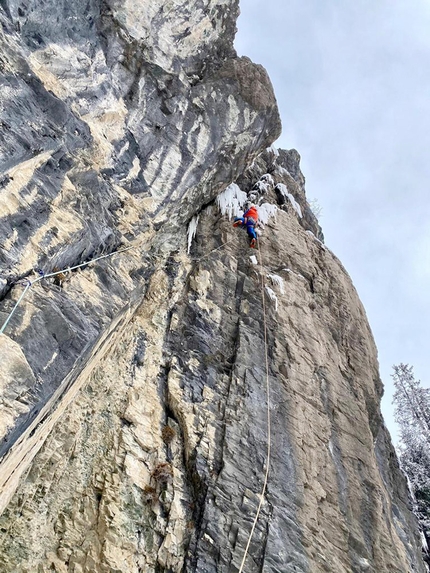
x=412 y=413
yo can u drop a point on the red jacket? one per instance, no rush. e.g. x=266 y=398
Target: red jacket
x=252 y=212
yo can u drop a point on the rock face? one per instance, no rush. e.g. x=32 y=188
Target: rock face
x=133 y=392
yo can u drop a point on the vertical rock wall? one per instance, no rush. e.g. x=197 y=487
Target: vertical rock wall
x=134 y=419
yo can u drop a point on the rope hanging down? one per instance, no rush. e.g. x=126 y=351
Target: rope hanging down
x=43 y=276
x=269 y=439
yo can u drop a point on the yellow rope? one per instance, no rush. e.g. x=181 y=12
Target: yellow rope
x=269 y=439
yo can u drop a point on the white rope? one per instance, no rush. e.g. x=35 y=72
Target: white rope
x=269 y=439
x=68 y=269
x=15 y=307
x=31 y=283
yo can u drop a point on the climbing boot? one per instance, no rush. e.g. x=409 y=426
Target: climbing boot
x=253 y=244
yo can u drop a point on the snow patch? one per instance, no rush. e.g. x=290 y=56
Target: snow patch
x=424 y=543
x=231 y=201
x=272 y=149
x=192 y=230
x=253 y=260
x=262 y=187
x=264 y=184
x=265 y=212
x=272 y=296
x=278 y=281
x=317 y=240
x=268 y=178
x=283 y=189
x=283 y=171
x=53 y=357
x=294 y=273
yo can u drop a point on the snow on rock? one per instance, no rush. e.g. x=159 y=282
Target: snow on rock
x=272 y=296
x=294 y=273
x=231 y=201
x=253 y=260
x=317 y=240
x=272 y=149
x=282 y=170
x=265 y=183
x=283 y=189
x=267 y=178
x=265 y=212
x=278 y=281
x=192 y=230
x=261 y=187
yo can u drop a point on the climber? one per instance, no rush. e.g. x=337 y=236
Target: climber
x=249 y=220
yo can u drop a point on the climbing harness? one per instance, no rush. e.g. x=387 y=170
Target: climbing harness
x=269 y=439
x=42 y=275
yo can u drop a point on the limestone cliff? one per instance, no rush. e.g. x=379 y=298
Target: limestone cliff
x=133 y=389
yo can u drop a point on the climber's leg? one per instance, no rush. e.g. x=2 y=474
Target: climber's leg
x=250 y=228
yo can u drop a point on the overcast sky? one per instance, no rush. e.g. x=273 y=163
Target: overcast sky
x=352 y=80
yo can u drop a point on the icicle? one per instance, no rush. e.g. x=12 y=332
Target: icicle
x=231 y=201
x=267 y=178
x=272 y=296
x=264 y=184
x=265 y=211
x=192 y=230
x=283 y=189
x=278 y=281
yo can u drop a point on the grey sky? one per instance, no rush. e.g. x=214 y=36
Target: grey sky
x=353 y=86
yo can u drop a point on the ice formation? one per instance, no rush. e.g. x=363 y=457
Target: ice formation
x=231 y=201
x=272 y=296
x=278 y=281
x=294 y=273
x=267 y=178
x=265 y=183
x=192 y=230
x=265 y=211
x=261 y=187
x=283 y=189
x=272 y=149
x=316 y=239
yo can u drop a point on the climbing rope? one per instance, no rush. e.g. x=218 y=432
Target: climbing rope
x=66 y=270
x=269 y=438
x=213 y=251
x=266 y=476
